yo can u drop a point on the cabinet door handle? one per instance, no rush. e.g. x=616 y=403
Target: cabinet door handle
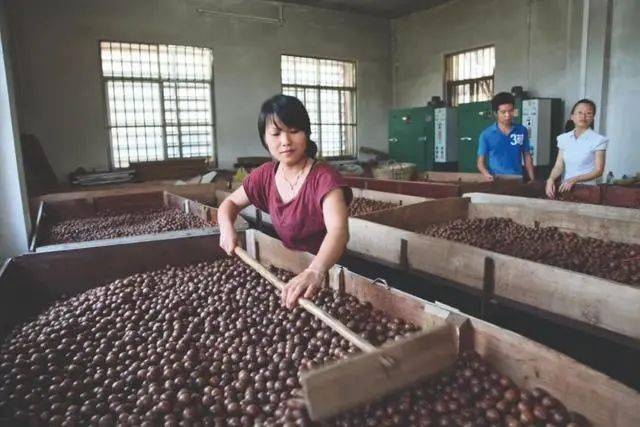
x=465 y=138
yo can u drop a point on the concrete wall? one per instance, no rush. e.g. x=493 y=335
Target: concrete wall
x=530 y=40
x=623 y=94
x=60 y=97
x=14 y=223
x=553 y=48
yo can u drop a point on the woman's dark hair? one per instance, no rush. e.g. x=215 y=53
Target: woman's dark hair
x=502 y=98
x=570 y=125
x=584 y=101
x=291 y=112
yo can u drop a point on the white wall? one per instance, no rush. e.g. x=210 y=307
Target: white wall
x=13 y=218
x=622 y=123
x=60 y=97
x=541 y=46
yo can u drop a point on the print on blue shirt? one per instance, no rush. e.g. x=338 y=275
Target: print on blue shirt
x=503 y=153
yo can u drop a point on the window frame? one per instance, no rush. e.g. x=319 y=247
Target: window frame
x=353 y=89
x=106 y=108
x=448 y=85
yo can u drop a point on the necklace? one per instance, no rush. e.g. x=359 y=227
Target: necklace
x=298 y=176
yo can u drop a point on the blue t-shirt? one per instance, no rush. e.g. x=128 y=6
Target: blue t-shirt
x=504 y=152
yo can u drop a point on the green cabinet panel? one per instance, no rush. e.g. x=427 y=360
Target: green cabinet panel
x=411 y=136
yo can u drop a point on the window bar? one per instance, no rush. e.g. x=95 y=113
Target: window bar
x=342 y=139
x=319 y=110
x=163 y=117
x=178 y=122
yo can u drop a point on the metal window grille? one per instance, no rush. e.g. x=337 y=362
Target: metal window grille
x=469 y=75
x=159 y=101
x=327 y=88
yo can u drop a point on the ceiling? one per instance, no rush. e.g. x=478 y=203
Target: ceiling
x=381 y=8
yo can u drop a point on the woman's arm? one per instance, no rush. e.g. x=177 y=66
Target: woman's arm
x=596 y=173
x=227 y=213
x=557 y=170
x=307 y=283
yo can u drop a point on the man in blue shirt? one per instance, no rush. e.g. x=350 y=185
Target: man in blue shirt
x=505 y=144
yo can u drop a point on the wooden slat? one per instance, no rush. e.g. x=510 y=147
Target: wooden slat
x=597 y=302
x=599 y=211
x=381 y=196
x=360 y=379
x=419 y=215
x=462 y=177
x=599 y=228
x=603 y=401
x=615 y=195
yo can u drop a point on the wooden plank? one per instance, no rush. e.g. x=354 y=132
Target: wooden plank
x=76 y=270
x=462 y=177
x=333 y=389
x=584 y=225
x=600 y=211
x=131 y=201
x=616 y=195
x=597 y=302
x=381 y=196
x=603 y=401
x=419 y=215
x=166 y=235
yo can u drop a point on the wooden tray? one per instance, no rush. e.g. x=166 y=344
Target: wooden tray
x=600 y=211
x=203 y=193
x=89 y=203
x=29 y=283
x=600 y=305
x=438 y=185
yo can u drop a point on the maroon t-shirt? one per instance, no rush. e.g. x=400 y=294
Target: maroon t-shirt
x=299 y=222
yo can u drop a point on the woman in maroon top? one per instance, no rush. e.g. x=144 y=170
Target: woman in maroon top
x=307 y=200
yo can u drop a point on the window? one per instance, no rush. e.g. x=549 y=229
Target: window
x=328 y=89
x=158 y=101
x=469 y=75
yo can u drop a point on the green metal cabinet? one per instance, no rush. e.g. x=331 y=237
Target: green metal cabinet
x=473 y=118
x=411 y=136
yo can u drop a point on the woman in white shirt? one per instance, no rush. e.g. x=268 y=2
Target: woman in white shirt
x=581 y=152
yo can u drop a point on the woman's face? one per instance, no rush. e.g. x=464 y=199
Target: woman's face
x=582 y=115
x=287 y=145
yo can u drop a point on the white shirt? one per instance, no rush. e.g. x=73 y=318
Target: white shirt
x=580 y=154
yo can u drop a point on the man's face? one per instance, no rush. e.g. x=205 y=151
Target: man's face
x=505 y=114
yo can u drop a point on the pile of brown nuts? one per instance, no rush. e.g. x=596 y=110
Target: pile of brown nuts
x=472 y=395
x=548 y=245
x=362 y=206
x=207 y=343
x=108 y=224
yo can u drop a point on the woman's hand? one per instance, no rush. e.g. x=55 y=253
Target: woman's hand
x=228 y=239
x=488 y=177
x=305 y=284
x=567 y=186
x=551 y=189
